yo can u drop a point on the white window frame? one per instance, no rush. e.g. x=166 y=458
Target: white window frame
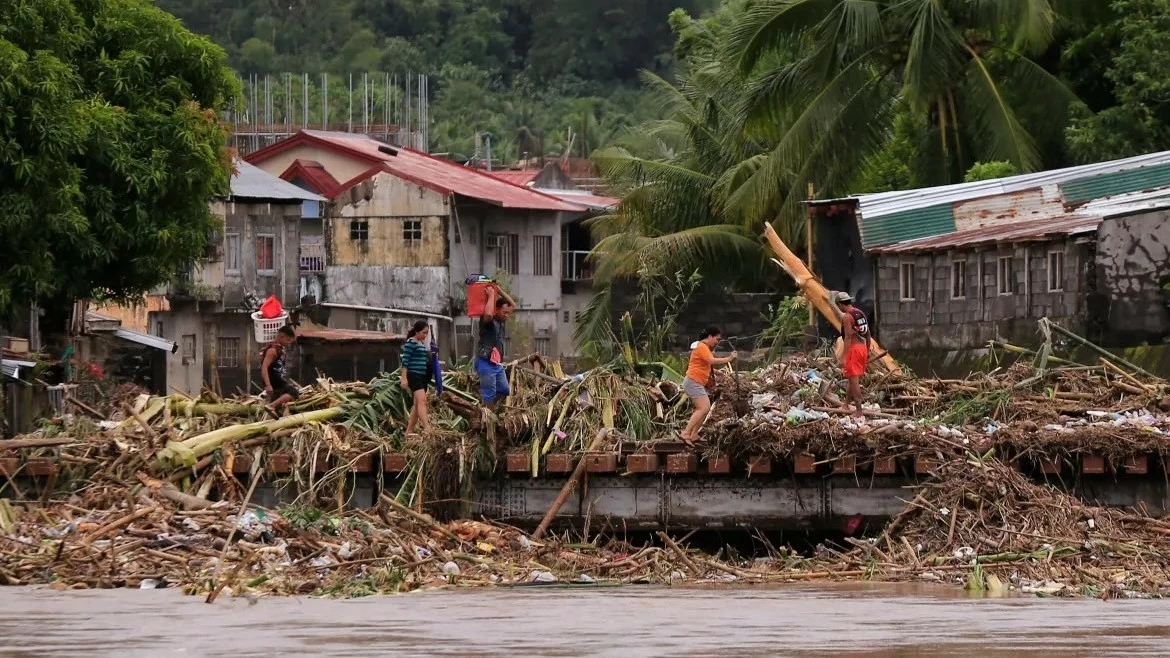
x=1053 y=284
x=267 y=271
x=221 y=355
x=231 y=254
x=959 y=277
x=1002 y=280
x=906 y=274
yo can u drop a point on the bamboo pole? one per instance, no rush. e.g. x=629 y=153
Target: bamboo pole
x=1099 y=350
x=569 y=486
x=816 y=293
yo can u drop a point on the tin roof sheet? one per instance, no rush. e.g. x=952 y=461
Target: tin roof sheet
x=1074 y=224
x=252 y=182
x=443 y=176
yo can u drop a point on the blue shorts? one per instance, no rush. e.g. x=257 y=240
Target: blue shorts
x=493 y=381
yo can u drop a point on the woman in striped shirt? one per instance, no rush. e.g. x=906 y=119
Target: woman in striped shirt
x=416 y=374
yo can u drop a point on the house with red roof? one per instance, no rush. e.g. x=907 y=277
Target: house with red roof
x=402 y=231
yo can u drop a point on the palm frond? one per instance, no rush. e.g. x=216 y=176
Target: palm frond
x=997 y=131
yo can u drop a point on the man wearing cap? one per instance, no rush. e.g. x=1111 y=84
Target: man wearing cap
x=855 y=336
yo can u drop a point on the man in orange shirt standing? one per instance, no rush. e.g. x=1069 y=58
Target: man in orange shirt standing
x=698 y=376
x=855 y=335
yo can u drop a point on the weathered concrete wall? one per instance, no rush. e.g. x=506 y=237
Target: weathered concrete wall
x=233 y=266
x=535 y=325
x=385 y=269
x=410 y=288
x=935 y=319
x=136 y=316
x=339 y=165
x=1133 y=274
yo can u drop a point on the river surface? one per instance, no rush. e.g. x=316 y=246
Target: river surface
x=630 y=622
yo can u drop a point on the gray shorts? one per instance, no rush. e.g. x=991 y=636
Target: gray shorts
x=693 y=389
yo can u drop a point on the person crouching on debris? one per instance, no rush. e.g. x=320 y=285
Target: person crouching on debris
x=854 y=358
x=272 y=370
x=489 y=356
x=416 y=374
x=697 y=379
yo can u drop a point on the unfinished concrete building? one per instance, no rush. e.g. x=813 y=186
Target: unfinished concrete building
x=953 y=267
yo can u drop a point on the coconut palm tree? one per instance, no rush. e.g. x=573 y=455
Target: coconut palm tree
x=956 y=64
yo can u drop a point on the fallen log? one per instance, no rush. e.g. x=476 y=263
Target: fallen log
x=15 y=444
x=816 y=293
x=567 y=490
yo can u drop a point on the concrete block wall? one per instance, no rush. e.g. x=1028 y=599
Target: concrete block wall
x=936 y=319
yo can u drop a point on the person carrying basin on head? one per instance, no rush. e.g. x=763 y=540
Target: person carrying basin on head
x=489 y=355
x=698 y=377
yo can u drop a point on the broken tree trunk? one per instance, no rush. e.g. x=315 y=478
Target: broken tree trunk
x=814 y=292
x=567 y=490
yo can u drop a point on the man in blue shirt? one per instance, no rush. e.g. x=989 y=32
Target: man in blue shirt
x=489 y=356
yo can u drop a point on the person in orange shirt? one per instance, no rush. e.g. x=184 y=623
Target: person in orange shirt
x=855 y=335
x=698 y=376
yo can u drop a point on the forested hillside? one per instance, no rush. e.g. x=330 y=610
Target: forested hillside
x=524 y=70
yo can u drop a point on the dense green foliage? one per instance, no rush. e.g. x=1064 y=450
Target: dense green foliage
x=110 y=148
x=774 y=99
x=524 y=71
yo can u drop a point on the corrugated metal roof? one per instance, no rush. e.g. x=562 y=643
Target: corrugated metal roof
x=1073 y=224
x=146 y=339
x=440 y=175
x=12 y=367
x=1119 y=182
x=908 y=225
x=347 y=335
x=886 y=203
x=251 y=182
x=889 y=217
x=583 y=197
x=522 y=177
x=313 y=174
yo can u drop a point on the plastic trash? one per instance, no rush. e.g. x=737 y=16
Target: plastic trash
x=451 y=569
x=422 y=553
x=148 y=583
x=542 y=577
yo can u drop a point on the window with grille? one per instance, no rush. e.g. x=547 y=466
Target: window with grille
x=508 y=252
x=1003 y=275
x=542 y=259
x=359 y=230
x=906 y=281
x=412 y=232
x=959 y=279
x=1055 y=271
x=542 y=345
x=231 y=252
x=227 y=352
x=265 y=254
x=566 y=320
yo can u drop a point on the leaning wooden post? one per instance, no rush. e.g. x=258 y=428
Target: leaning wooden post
x=814 y=292
x=567 y=490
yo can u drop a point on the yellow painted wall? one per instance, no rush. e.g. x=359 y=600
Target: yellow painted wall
x=136 y=315
x=386 y=202
x=340 y=166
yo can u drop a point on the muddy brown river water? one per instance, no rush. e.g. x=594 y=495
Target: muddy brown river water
x=631 y=622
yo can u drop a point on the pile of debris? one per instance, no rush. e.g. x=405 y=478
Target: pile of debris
x=980 y=523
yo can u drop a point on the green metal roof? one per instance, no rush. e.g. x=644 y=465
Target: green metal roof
x=1117 y=182
x=907 y=225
